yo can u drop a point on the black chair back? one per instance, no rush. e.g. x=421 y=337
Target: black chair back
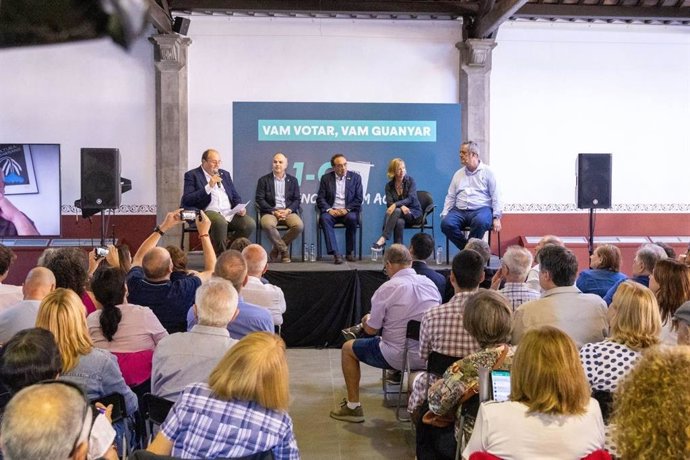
x=118 y=402
x=426 y=201
x=438 y=363
x=413 y=327
x=605 y=400
x=156 y=408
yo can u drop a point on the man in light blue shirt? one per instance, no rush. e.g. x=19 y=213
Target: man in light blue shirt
x=472 y=199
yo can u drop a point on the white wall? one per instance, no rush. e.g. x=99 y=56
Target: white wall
x=560 y=89
x=557 y=90
x=311 y=60
x=84 y=94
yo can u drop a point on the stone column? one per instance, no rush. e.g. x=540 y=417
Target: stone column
x=170 y=55
x=475 y=77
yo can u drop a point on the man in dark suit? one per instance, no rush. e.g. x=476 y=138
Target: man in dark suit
x=421 y=248
x=210 y=188
x=278 y=198
x=339 y=201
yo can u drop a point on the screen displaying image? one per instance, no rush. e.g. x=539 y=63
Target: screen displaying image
x=500 y=385
x=29 y=190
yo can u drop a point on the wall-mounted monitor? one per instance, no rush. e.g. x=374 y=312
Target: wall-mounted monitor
x=30 y=203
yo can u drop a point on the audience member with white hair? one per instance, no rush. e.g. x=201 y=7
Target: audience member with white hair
x=515 y=265
x=643 y=264
x=188 y=357
x=255 y=291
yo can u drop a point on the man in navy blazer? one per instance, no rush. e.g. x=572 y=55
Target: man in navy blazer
x=210 y=188
x=421 y=248
x=278 y=199
x=340 y=201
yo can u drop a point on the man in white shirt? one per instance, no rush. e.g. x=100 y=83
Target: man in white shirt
x=278 y=200
x=210 y=188
x=258 y=293
x=562 y=305
x=22 y=315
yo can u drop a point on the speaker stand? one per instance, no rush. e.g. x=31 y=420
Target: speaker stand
x=590 y=242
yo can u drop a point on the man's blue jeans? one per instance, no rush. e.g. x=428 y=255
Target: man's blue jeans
x=479 y=221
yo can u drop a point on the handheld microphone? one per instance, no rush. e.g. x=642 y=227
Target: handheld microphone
x=217 y=173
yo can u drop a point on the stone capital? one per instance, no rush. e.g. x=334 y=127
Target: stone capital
x=475 y=54
x=170 y=51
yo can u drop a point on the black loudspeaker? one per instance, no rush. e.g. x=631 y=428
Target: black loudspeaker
x=593 y=181
x=100 y=178
x=181 y=25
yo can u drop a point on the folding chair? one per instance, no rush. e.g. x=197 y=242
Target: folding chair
x=427 y=203
x=412 y=333
x=155 y=410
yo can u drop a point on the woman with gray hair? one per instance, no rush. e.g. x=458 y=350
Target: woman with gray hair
x=488 y=318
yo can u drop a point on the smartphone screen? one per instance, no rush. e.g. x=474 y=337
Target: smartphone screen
x=500 y=385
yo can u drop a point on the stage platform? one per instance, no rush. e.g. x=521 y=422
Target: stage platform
x=323 y=298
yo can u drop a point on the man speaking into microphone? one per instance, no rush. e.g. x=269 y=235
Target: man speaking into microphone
x=210 y=188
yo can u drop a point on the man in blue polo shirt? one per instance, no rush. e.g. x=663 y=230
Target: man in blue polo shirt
x=149 y=284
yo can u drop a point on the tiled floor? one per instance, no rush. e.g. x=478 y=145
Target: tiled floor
x=316 y=387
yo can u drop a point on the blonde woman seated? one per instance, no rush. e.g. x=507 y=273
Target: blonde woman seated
x=550 y=413
x=635 y=325
x=670 y=283
x=651 y=407
x=487 y=318
x=402 y=204
x=62 y=313
x=241 y=411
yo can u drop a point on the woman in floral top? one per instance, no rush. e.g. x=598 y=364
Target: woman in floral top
x=488 y=319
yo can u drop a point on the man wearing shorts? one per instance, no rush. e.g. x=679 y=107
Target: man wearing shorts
x=404 y=297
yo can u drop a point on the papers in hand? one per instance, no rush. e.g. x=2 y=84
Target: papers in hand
x=230 y=213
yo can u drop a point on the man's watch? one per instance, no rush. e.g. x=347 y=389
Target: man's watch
x=158 y=230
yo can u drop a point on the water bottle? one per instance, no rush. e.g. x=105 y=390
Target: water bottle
x=305 y=253
x=439 y=255
x=374 y=254
x=312 y=253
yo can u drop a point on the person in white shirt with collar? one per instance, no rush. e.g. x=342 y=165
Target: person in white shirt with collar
x=258 y=293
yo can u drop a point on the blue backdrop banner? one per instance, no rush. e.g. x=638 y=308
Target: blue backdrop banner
x=426 y=136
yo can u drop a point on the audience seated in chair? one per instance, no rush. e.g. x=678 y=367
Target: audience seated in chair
x=245 y=403
x=550 y=413
x=149 y=283
x=70 y=267
x=232 y=267
x=643 y=264
x=487 y=318
x=39 y=283
x=651 y=406
x=562 y=305
x=533 y=274
x=670 y=282
x=404 y=297
x=9 y=294
x=128 y=331
x=96 y=370
x=421 y=248
x=29 y=357
x=188 y=357
x=53 y=420
x=605 y=263
x=255 y=291
x=442 y=328
x=483 y=249
x=515 y=265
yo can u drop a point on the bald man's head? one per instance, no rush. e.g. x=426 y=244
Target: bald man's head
x=39 y=283
x=256 y=259
x=157 y=264
x=231 y=266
